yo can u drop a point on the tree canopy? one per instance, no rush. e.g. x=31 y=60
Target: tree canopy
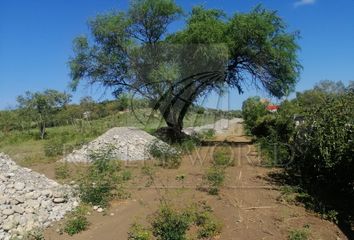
x=136 y=51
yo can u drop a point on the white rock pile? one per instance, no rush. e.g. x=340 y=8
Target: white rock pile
x=29 y=200
x=125 y=143
x=221 y=126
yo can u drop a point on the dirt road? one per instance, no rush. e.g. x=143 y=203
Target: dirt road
x=248 y=203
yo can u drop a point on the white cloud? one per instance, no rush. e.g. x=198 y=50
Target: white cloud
x=304 y=2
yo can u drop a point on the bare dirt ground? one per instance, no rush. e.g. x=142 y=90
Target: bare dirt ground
x=247 y=205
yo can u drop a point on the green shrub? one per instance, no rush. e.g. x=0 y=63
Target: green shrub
x=325 y=144
x=214 y=177
x=299 y=234
x=167 y=156
x=222 y=156
x=77 y=221
x=209 y=229
x=252 y=110
x=138 y=232
x=170 y=224
x=76 y=224
x=103 y=181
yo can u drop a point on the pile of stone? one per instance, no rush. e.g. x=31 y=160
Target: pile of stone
x=124 y=143
x=29 y=200
x=220 y=127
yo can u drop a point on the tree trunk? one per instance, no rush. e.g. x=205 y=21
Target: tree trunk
x=42 y=129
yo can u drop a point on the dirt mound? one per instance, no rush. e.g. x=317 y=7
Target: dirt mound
x=125 y=143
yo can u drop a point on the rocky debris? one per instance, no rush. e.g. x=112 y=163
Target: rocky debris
x=125 y=143
x=220 y=127
x=29 y=200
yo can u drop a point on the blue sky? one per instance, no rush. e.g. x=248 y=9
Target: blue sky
x=36 y=41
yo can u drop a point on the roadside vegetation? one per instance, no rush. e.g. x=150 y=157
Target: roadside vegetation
x=311 y=137
x=170 y=223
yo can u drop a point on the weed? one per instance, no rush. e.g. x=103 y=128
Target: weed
x=299 y=234
x=62 y=171
x=76 y=224
x=150 y=173
x=171 y=224
x=214 y=177
x=103 y=180
x=222 y=156
x=167 y=156
x=138 y=232
x=77 y=221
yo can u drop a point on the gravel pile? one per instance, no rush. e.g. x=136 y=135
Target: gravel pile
x=29 y=200
x=221 y=126
x=125 y=143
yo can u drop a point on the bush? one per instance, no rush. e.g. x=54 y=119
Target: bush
x=299 y=234
x=138 y=232
x=103 y=181
x=77 y=221
x=169 y=224
x=76 y=224
x=252 y=110
x=167 y=156
x=325 y=144
x=214 y=177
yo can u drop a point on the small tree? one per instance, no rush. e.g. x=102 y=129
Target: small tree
x=40 y=107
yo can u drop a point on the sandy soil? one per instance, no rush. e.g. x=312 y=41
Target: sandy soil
x=247 y=204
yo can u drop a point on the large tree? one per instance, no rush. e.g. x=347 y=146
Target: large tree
x=40 y=107
x=136 y=51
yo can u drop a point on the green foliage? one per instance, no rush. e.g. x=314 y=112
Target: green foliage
x=135 y=49
x=167 y=157
x=40 y=107
x=103 y=181
x=299 y=234
x=320 y=147
x=138 y=232
x=252 y=110
x=188 y=145
x=208 y=226
x=325 y=143
x=207 y=134
x=214 y=178
x=170 y=224
x=54 y=147
x=223 y=156
x=77 y=221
